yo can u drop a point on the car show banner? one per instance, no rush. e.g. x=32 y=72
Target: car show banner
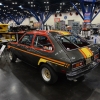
x=87 y=17
x=90 y=0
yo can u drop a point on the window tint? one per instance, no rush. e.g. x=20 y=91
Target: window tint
x=42 y=42
x=27 y=39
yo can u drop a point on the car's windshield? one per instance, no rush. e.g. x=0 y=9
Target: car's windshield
x=72 y=42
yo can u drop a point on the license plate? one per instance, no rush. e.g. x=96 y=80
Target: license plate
x=88 y=60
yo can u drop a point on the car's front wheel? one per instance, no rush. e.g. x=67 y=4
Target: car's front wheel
x=12 y=57
x=48 y=74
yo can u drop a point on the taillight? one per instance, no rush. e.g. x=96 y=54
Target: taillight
x=78 y=64
x=96 y=56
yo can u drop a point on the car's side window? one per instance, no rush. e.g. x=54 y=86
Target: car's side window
x=27 y=39
x=43 y=42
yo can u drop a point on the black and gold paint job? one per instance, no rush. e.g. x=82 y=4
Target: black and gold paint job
x=59 y=59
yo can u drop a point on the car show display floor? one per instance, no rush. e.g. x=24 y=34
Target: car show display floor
x=20 y=81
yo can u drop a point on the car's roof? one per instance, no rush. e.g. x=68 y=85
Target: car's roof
x=61 y=32
x=37 y=32
x=45 y=32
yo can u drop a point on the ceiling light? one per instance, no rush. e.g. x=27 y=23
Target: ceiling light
x=31 y=5
x=12 y=2
x=1 y=4
x=47 y=2
x=20 y=7
x=31 y=2
x=15 y=2
x=63 y=3
x=28 y=2
x=44 y=2
x=60 y=3
x=34 y=5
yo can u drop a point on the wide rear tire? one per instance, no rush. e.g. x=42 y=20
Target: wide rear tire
x=48 y=75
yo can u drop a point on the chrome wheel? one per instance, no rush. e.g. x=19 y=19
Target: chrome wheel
x=46 y=74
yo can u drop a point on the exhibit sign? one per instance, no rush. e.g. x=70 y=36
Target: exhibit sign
x=56 y=19
x=87 y=17
x=65 y=17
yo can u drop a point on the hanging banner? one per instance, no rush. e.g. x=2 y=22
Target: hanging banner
x=87 y=17
x=89 y=0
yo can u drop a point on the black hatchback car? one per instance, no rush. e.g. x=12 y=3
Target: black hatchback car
x=55 y=52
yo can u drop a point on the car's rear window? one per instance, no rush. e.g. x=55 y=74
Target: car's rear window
x=72 y=42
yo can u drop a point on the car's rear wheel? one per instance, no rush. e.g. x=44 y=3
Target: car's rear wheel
x=48 y=74
x=12 y=57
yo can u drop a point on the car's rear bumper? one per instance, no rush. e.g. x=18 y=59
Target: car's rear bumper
x=82 y=71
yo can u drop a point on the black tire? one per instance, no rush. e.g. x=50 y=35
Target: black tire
x=48 y=75
x=12 y=57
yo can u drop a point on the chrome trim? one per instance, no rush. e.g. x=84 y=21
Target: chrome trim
x=80 y=71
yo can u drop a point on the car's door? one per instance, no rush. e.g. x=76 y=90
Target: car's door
x=24 y=45
x=43 y=47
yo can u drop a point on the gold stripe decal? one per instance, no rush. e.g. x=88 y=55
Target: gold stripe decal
x=86 y=52
x=45 y=61
x=43 y=58
x=90 y=51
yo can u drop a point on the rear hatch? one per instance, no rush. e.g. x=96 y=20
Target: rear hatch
x=80 y=52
